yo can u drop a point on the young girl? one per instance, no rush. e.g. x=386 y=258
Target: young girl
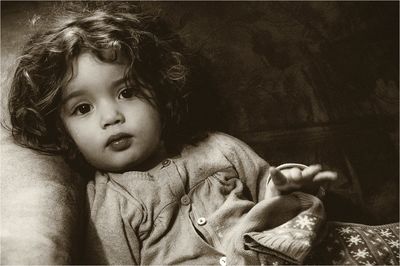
x=112 y=89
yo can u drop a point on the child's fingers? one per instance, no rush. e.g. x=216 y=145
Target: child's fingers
x=288 y=181
x=325 y=176
x=277 y=177
x=295 y=175
x=311 y=171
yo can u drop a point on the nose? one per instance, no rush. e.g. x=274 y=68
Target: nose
x=110 y=116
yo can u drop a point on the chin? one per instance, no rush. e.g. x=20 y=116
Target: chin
x=124 y=162
x=115 y=167
x=125 y=167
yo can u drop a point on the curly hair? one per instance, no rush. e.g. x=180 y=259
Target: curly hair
x=156 y=55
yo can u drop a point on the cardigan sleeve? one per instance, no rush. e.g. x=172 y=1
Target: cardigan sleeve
x=251 y=168
x=113 y=235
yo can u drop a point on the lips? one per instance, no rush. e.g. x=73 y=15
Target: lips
x=119 y=142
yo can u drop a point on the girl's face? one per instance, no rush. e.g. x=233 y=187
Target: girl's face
x=114 y=130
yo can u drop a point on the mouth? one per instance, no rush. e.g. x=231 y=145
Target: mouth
x=119 y=142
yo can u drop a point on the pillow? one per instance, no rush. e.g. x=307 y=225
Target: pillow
x=41 y=206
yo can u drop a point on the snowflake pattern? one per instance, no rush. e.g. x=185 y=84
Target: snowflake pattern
x=361 y=253
x=362 y=245
x=344 y=230
x=305 y=222
x=345 y=244
x=385 y=232
x=394 y=243
x=354 y=240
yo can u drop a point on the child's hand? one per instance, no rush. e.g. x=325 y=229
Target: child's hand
x=308 y=179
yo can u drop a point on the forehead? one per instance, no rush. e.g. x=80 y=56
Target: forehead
x=87 y=69
x=88 y=62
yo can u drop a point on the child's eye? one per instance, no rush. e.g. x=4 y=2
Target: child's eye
x=82 y=109
x=127 y=93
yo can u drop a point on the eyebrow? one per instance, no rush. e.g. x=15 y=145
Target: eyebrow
x=73 y=94
x=118 y=81
x=78 y=93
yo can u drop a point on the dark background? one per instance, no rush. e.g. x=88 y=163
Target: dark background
x=309 y=82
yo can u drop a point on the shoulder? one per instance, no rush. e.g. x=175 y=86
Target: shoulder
x=225 y=140
x=226 y=143
x=218 y=140
x=107 y=193
x=112 y=202
x=216 y=144
x=235 y=150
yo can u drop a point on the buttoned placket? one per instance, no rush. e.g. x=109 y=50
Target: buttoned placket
x=202 y=225
x=176 y=184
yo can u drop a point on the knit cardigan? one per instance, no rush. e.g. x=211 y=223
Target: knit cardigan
x=206 y=206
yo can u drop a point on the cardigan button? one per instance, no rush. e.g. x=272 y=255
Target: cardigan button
x=201 y=221
x=166 y=162
x=185 y=200
x=222 y=261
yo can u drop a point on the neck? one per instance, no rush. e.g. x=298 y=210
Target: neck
x=151 y=162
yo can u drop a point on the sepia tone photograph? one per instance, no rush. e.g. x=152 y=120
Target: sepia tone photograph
x=199 y=133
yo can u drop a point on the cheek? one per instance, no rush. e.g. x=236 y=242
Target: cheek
x=155 y=125
x=145 y=118
x=80 y=133
x=87 y=144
